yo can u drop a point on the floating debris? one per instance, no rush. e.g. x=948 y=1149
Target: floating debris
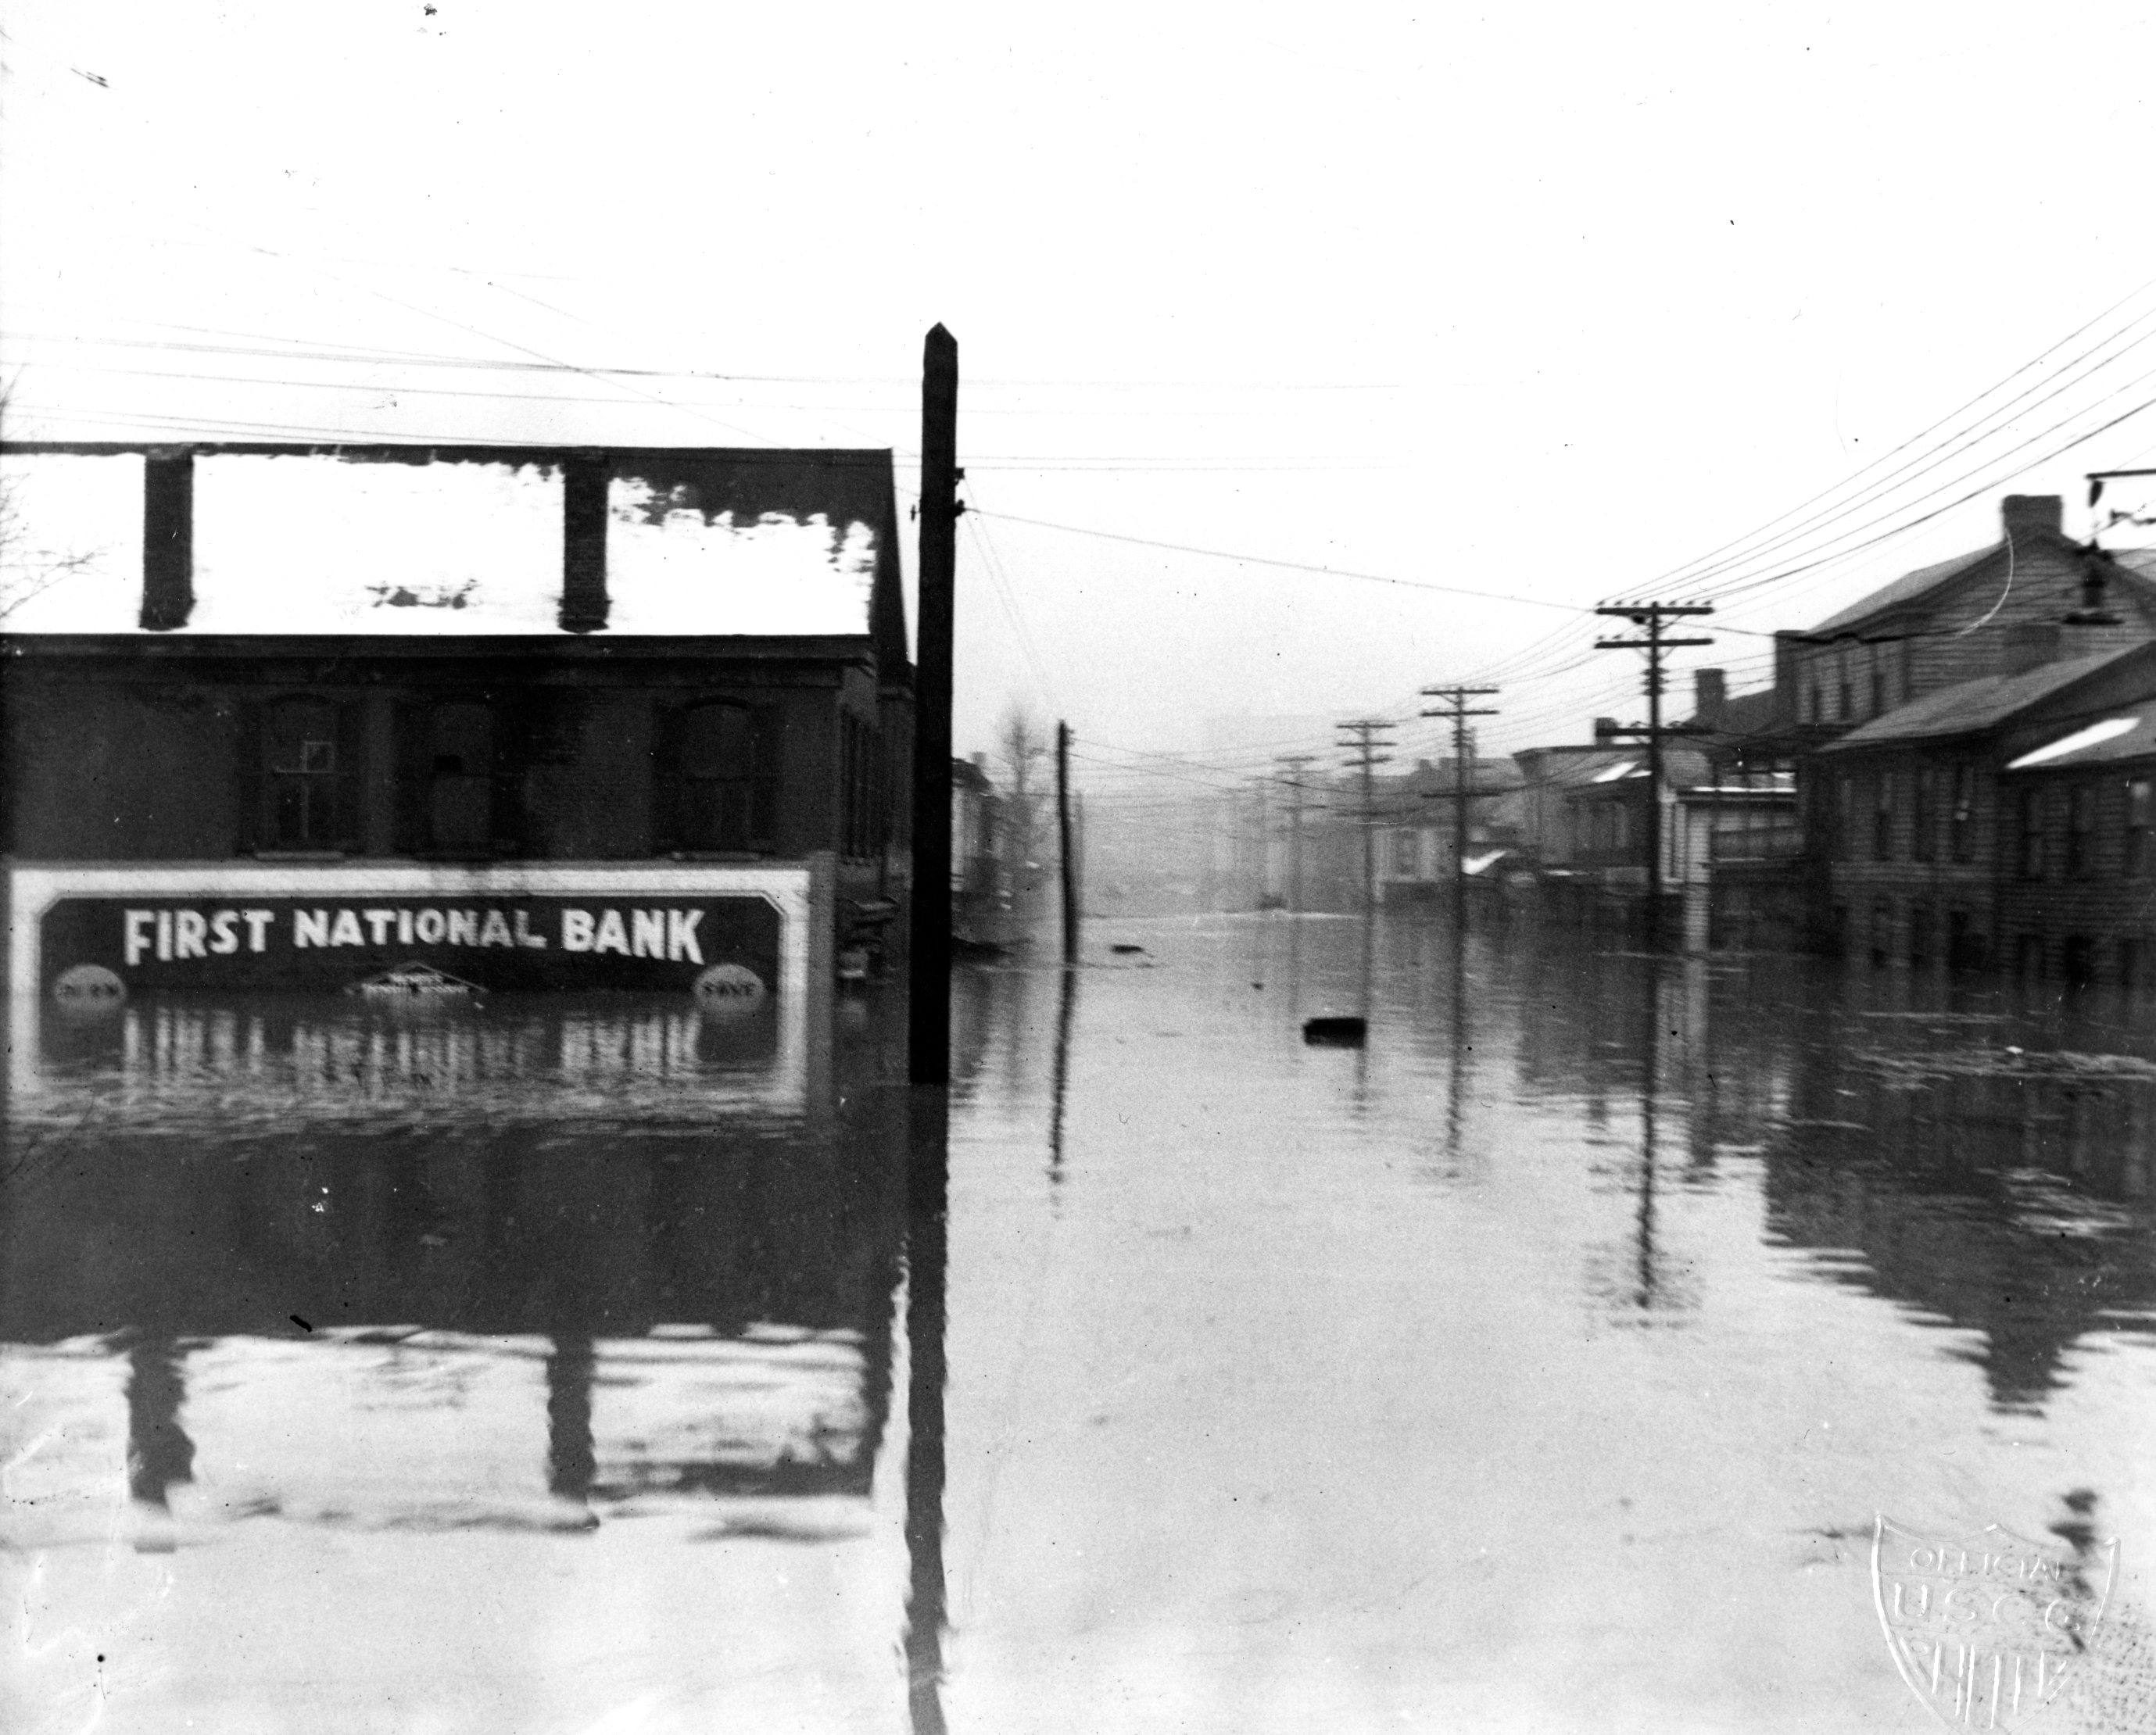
x=415 y=981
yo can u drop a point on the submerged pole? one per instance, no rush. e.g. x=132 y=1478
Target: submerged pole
x=928 y=996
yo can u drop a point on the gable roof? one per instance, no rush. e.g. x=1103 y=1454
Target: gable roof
x=2137 y=566
x=1907 y=588
x=1970 y=706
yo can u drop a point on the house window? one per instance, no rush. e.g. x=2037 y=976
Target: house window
x=1906 y=657
x=1403 y=854
x=1882 y=932
x=1962 y=820
x=305 y=785
x=1924 y=815
x=2032 y=833
x=1844 y=819
x=1882 y=817
x=1920 y=935
x=1812 y=703
x=719 y=773
x=1878 y=681
x=2136 y=825
x=2081 y=830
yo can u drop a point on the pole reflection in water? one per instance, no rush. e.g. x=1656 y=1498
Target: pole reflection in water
x=927 y=1255
x=1059 y=1084
x=1455 y=1089
x=1645 y=1296
x=578 y=1315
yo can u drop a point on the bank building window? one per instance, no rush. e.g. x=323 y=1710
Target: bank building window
x=305 y=757
x=718 y=778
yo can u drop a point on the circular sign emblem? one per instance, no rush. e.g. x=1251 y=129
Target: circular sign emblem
x=89 y=984
x=727 y=986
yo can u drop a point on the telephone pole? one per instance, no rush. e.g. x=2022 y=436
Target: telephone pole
x=1294 y=763
x=928 y=986
x=1368 y=733
x=1652 y=617
x=1458 y=710
x=1066 y=856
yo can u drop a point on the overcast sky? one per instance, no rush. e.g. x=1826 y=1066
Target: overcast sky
x=1540 y=302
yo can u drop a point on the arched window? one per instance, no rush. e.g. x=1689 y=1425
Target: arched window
x=718 y=778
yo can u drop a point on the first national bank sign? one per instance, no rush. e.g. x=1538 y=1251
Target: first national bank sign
x=264 y=926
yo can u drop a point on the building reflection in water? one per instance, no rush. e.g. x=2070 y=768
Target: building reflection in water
x=534 y=1267
x=1979 y=1159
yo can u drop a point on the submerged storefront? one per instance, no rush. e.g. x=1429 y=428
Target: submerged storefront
x=305 y=719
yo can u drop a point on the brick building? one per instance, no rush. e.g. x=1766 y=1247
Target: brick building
x=309 y=713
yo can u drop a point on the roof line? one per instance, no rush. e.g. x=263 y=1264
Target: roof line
x=452 y=452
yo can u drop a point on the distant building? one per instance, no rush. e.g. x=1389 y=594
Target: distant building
x=980 y=901
x=1417 y=822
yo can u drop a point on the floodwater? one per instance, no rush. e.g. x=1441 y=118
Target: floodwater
x=1544 y=1366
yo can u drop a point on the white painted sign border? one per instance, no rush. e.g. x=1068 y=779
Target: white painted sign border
x=34 y=890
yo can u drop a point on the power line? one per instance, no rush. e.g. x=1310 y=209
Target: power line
x=1218 y=554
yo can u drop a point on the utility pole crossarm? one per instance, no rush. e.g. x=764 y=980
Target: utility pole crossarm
x=1458 y=710
x=1656 y=644
x=1368 y=731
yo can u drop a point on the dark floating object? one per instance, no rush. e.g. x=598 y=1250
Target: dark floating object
x=1335 y=1032
x=1126 y=950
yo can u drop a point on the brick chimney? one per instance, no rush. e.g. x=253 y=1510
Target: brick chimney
x=1710 y=691
x=2022 y=515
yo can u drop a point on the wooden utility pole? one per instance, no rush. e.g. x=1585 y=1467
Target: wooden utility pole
x=928 y=999
x=1459 y=711
x=1294 y=763
x=1650 y=615
x=1065 y=853
x=1367 y=733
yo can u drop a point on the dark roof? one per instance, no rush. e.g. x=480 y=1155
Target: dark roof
x=2138 y=566
x=1906 y=588
x=1970 y=706
x=1485 y=777
x=1740 y=714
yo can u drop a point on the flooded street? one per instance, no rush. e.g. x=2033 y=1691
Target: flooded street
x=572 y=1366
